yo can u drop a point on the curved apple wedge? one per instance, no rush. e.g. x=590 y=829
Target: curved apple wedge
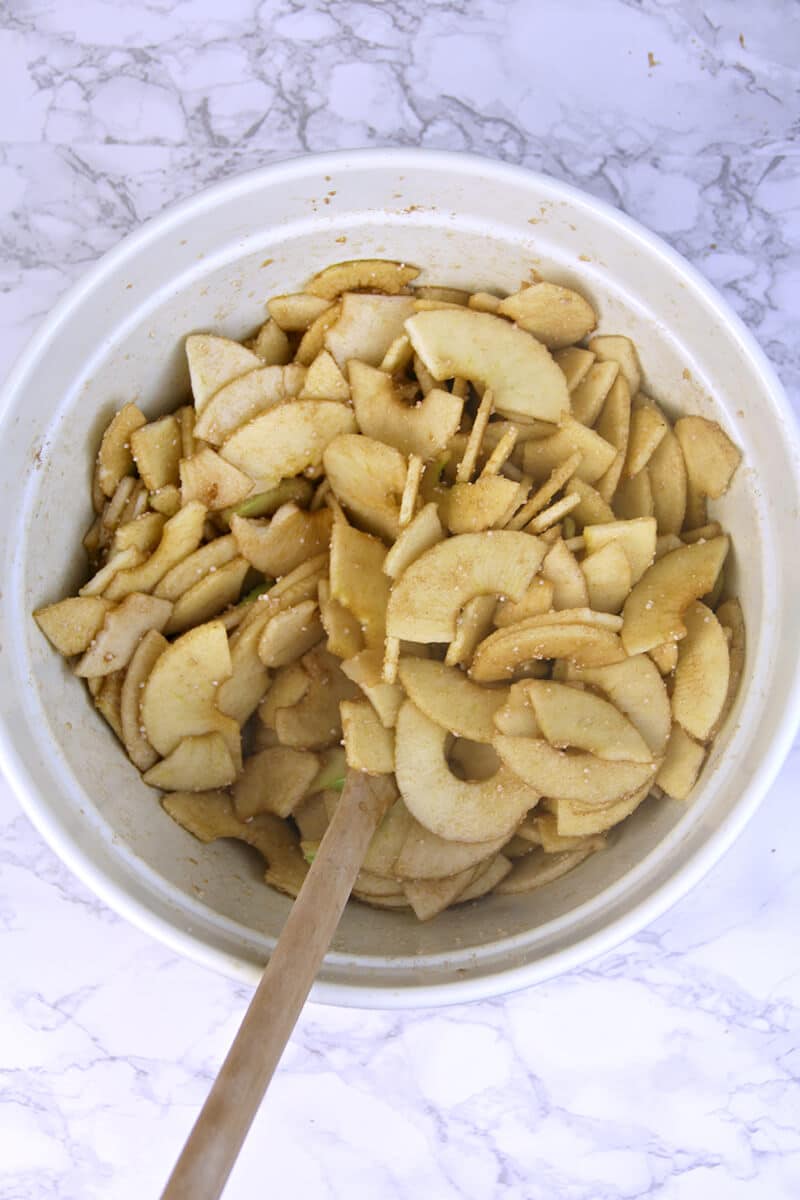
x=557 y=316
x=445 y=695
x=653 y=611
x=570 y=716
x=361 y=275
x=583 y=778
x=474 y=507
x=426 y=600
x=287 y=439
x=424 y=429
x=636 y=688
x=367 y=478
x=520 y=371
x=507 y=650
x=455 y=809
x=702 y=673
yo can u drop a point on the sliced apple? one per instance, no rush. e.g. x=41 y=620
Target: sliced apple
x=584 y=778
x=247 y=397
x=295 y=312
x=537 y=869
x=543 y=455
x=312 y=342
x=452 y=808
x=636 y=688
x=448 y=697
x=608 y=577
x=143 y=533
x=213 y=362
x=197 y=763
x=195 y=566
x=290 y=633
x=574 y=717
x=590 y=395
x=144 y=658
x=366 y=327
x=368 y=744
x=665 y=657
x=472 y=626
x=562 y=570
x=213 y=481
x=179 y=697
x=113 y=645
x=287 y=439
x=576 y=363
x=278 y=546
x=637 y=538
x=271 y=345
x=621 y=350
x=647 y=429
x=114 y=459
x=107 y=693
x=425 y=856
x=357 y=579
x=275 y=781
x=362 y=274
x=424 y=428
x=654 y=609
x=516 y=717
x=367 y=478
x=730 y=617
x=613 y=425
x=537 y=599
x=365 y=669
x=289 y=686
x=180 y=537
x=484 y=348
x=474 y=507
x=156 y=450
x=702 y=673
x=422 y=532
x=505 y=652
x=324 y=380
x=578 y=821
x=314 y=721
x=710 y=455
x=682 y=763
x=556 y=316
x=345 y=638
x=72 y=623
x=240 y=695
x=593 y=509
x=425 y=602
x=208 y=597
x=429 y=897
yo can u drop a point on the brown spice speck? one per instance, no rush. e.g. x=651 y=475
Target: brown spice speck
x=741 y=41
x=652 y=61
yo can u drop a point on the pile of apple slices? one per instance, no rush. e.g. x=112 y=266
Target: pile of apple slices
x=440 y=536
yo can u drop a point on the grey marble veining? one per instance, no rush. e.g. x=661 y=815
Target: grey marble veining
x=669 y=1068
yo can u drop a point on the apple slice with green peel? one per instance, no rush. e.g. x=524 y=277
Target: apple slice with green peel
x=701 y=674
x=654 y=609
x=198 y=762
x=367 y=478
x=287 y=439
x=636 y=688
x=245 y=398
x=455 y=809
x=475 y=507
x=507 y=651
x=556 y=316
x=583 y=778
x=448 y=697
x=425 y=602
x=179 y=697
x=213 y=362
x=362 y=275
x=424 y=429
x=486 y=349
x=573 y=717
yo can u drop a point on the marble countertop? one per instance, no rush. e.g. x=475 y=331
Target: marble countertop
x=668 y=1068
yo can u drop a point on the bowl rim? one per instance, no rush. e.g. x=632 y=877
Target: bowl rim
x=643 y=911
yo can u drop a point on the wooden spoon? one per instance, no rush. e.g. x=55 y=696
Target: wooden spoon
x=219 y=1131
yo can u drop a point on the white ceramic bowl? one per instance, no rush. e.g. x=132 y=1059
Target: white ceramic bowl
x=209 y=263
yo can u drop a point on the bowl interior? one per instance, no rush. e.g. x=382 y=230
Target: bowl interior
x=211 y=265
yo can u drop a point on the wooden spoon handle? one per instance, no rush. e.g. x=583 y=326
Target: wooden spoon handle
x=219 y=1131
